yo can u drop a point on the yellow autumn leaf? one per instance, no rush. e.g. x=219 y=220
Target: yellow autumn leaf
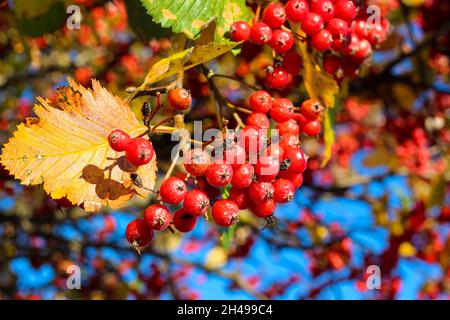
x=319 y=84
x=216 y=258
x=185 y=60
x=66 y=149
x=328 y=138
x=413 y=3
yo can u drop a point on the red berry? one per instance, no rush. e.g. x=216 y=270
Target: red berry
x=260 y=33
x=260 y=101
x=364 y=50
x=267 y=168
x=338 y=28
x=196 y=202
x=284 y=190
x=118 y=140
x=240 y=197
x=360 y=28
x=290 y=126
x=301 y=120
x=212 y=192
x=260 y=191
x=377 y=34
x=219 y=174
x=312 y=24
x=196 y=161
x=173 y=190
x=139 y=233
x=311 y=109
x=277 y=78
x=312 y=128
x=139 y=151
x=275 y=151
x=240 y=31
x=322 y=40
x=331 y=63
x=296 y=10
x=183 y=221
x=296 y=178
x=341 y=43
x=282 y=41
x=242 y=176
x=158 y=217
x=233 y=154
x=345 y=10
x=259 y=120
x=180 y=99
x=282 y=110
x=292 y=62
x=263 y=209
x=252 y=139
x=289 y=140
x=274 y=15
x=294 y=159
x=225 y=213
x=324 y=8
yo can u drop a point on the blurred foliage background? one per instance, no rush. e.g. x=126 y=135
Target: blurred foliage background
x=383 y=198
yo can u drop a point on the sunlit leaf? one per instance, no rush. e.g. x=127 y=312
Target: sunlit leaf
x=413 y=3
x=191 y=16
x=318 y=83
x=66 y=149
x=328 y=136
x=184 y=60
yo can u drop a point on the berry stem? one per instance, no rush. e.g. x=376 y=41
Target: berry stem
x=232 y=106
x=295 y=34
x=240 y=123
x=168 y=119
x=257 y=13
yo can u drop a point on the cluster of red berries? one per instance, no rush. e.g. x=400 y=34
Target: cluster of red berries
x=289 y=123
x=245 y=172
x=336 y=26
x=138 y=151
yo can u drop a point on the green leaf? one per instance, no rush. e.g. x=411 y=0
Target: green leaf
x=140 y=24
x=32 y=9
x=184 y=60
x=36 y=20
x=191 y=16
x=328 y=135
x=226 y=238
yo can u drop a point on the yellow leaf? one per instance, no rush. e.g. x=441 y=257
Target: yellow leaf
x=185 y=60
x=436 y=194
x=318 y=83
x=406 y=249
x=413 y=3
x=216 y=258
x=328 y=137
x=66 y=149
